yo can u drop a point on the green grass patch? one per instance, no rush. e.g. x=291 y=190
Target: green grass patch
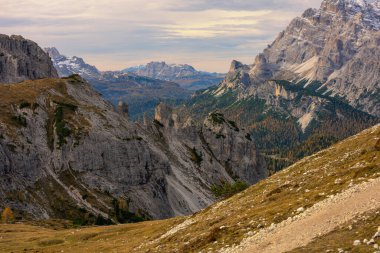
x=225 y=190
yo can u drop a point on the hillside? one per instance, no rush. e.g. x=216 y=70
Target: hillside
x=65 y=153
x=329 y=198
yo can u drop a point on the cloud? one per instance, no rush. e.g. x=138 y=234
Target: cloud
x=113 y=34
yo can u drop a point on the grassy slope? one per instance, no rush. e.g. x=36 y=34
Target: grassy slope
x=273 y=200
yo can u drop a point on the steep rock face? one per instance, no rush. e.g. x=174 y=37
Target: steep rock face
x=217 y=144
x=22 y=59
x=336 y=45
x=65 y=153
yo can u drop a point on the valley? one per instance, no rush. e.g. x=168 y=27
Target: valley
x=349 y=171
x=278 y=155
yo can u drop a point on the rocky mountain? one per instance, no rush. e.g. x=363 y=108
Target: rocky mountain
x=318 y=82
x=67 y=66
x=141 y=93
x=22 y=59
x=183 y=74
x=66 y=153
x=326 y=202
x=333 y=50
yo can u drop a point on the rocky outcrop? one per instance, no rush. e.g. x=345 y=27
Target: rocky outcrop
x=217 y=145
x=336 y=46
x=66 y=153
x=22 y=59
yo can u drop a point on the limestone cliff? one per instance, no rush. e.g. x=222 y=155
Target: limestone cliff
x=333 y=49
x=22 y=59
x=66 y=153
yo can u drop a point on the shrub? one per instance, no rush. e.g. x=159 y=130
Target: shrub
x=195 y=157
x=7 y=216
x=158 y=123
x=233 y=125
x=122 y=213
x=217 y=118
x=101 y=221
x=19 y=120
x=60 y=128
x=24 y=104
x=225 y=190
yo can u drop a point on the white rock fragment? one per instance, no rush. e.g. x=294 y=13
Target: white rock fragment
x=300 y=210
x=357 y=242
x=370 y=242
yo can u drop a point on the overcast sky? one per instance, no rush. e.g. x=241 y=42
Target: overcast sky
x=115 y=34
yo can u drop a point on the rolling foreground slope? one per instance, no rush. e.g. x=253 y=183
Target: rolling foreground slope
x=323 y=202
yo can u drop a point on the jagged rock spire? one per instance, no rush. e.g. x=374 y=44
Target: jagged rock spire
x=123 y=109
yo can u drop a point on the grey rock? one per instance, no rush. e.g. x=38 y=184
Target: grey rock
x=22 y=59
x=336 y=45
x=162 y=170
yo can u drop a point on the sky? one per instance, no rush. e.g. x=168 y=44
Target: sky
x=116 y=34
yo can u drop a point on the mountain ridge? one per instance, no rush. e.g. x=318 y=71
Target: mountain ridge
x=186 y=75
x=325 y=46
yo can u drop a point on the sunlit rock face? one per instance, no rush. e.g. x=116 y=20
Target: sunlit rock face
x=336 y=45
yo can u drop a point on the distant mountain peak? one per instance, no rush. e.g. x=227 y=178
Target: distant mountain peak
x=53 y=52
x=184 y=74
x=350 y=6
x=71 y=65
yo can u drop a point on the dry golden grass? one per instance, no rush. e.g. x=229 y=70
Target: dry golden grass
x=277 y=198
x=225 y=223
x=55 y=90
x=28 y=91
x=121 y=238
